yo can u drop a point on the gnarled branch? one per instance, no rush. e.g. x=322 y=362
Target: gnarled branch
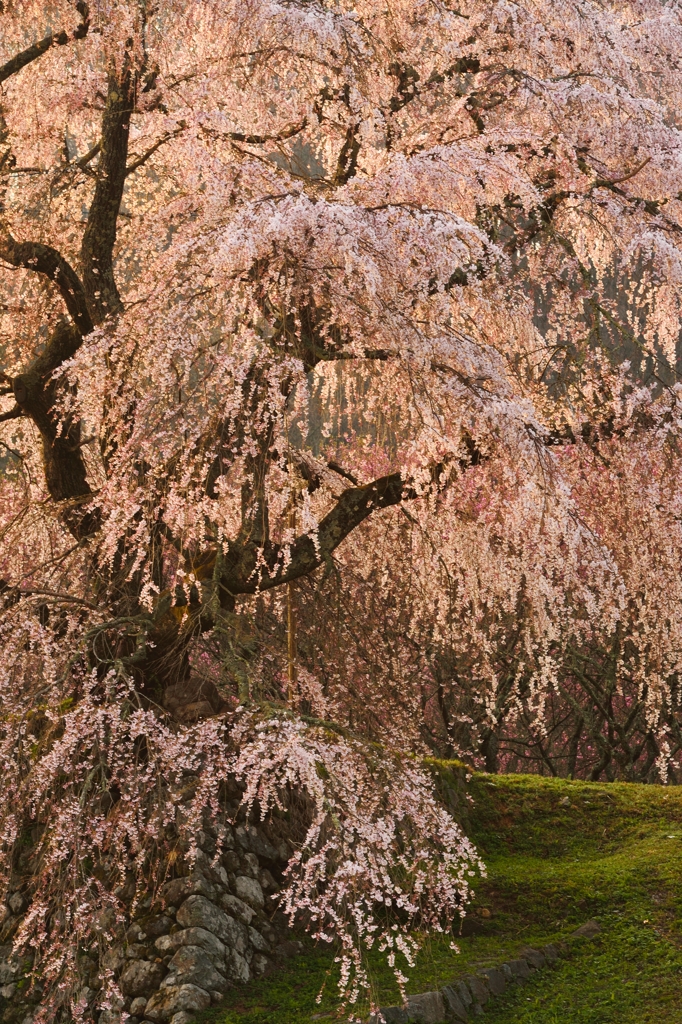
x=36 y=50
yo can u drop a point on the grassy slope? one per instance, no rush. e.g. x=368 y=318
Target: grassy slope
x=615 y=854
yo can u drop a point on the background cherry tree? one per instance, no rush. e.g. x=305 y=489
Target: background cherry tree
x=311 y=314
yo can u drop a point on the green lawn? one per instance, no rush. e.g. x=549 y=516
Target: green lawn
x=614 y=854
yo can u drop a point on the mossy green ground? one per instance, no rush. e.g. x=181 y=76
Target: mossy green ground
x=614 y=854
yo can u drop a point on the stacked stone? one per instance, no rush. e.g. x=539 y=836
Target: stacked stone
x=468 y=995
x=15 y=1005
x=204 y=933
x=214 y=931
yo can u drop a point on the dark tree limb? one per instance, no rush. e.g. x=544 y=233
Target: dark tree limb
x=99 y=238
x=141 y=160
x=347 y=163
x=255 y=139
x=31 y=53
x=11 y=414
x=249 y=569
x=46 y=260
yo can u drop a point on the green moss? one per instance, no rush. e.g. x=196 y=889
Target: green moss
x=613 y=853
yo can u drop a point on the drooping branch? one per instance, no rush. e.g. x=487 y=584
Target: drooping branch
x=36 y=256
x=141 y=160
x=46 y=260
x=36 y=50
x=248 y=569
x=254 y=139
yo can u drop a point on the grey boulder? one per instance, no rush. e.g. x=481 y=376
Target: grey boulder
x=141 y=978
x=454 y=1006
x=191 y=965
x=494 y=979
x=427 y=1008
x=198 y=912
x=249 y=891
x=194 y=937
x=237 y=908
x=534 y=957
x=519 y=969
x=478 y=988
x=249 y=838
x=237 y=967
x=587 y=930
x=258 y=942
x=165 y=1003
x=178 y=889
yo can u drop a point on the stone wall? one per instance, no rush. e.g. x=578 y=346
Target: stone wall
x=216 y=927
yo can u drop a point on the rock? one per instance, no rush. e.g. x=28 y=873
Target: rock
x=519 y=969
x=478 y=988
x=16 y=903
x=391 y=1015
x=205 y=841
x=136 y=951
x=112 y=1013
x=250 y=838
x=180 y=888
x=463 y=993
x=198 y=912
x=113 y=959
x=165 y=1003
x=137 y=1006
x=85 y=996
x=191 y=965
x=288 y=949
x=231 y=860
x=587 y=930
x=258 y=942
x=8 y=991
x=141 y=978
x=155 y=926
x=237 y=908
x=260 y=965
x=110 y=1017
x=219 y=876
x=427 y=1008
x=534 y=957
x=251 y=865
x=455 y=1008
x=494 y=979
x=9 y=926
x=237 y=967
x=249 y=890
x=8 y=972
x=551 y=953
x=267 y=882
x=181 y=1018
x=207 y=941
x=105 y=919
